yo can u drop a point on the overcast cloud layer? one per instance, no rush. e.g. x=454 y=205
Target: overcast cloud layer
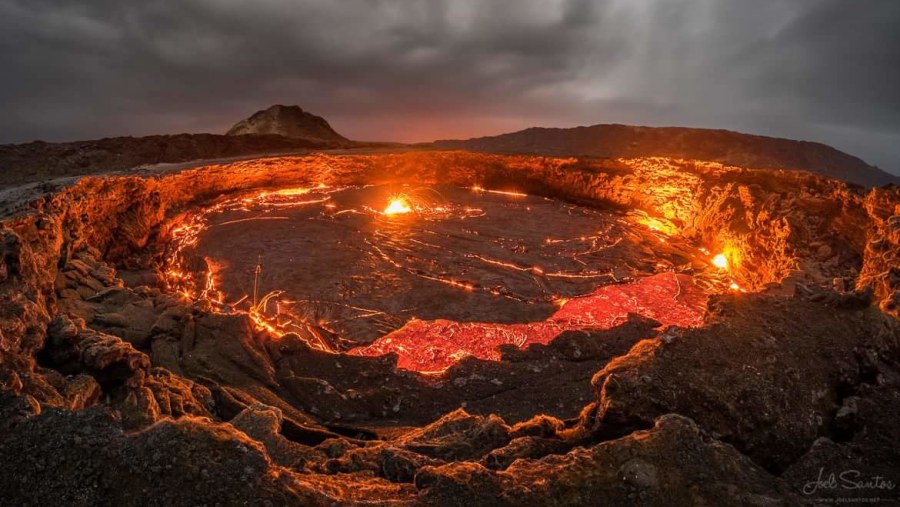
x=417 y=70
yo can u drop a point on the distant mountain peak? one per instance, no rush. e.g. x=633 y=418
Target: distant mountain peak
x=287 y=121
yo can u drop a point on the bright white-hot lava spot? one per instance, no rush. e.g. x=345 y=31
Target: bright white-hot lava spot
x=433 y=274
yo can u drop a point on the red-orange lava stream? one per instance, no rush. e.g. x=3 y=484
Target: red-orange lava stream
x=433 y=346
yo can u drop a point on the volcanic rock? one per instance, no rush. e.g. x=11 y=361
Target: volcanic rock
x=42 y=162
x=758 y=384
x=743 y=409
x=457 y=436
x=73 y=348
x=727 y=147
x=524 y=447
x=658 y=466
x=287 y=121
x=860 y=452
x=263 y=423
x=84 y=458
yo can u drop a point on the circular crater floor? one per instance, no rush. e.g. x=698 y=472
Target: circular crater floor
x=361 y=262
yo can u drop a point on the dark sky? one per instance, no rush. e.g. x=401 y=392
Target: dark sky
x=416 y=70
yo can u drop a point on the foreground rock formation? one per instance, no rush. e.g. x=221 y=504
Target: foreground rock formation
x=115 y=390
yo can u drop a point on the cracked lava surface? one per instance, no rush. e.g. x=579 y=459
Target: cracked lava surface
x=433 y=274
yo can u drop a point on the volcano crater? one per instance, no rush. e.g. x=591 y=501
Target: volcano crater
x=328 y=264
x=580 y=300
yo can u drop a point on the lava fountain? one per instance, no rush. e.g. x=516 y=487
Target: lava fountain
x=397 y=206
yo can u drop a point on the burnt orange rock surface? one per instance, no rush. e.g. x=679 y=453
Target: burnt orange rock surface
x=123 y=392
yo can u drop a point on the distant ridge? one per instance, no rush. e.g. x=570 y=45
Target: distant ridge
x=278 y=129
x=724 y=146
x=36 y=161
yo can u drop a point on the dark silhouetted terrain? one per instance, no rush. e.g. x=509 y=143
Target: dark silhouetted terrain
x=288 y=121
x=727 y=147
x=37 y=161
x=289 y=129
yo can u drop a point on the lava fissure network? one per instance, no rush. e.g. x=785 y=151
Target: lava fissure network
x=437 y=274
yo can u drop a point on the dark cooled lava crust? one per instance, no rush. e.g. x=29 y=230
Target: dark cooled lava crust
x=341 y=265
x=462 y=255
x=96 y=314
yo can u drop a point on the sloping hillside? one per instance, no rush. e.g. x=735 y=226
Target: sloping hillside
x=288 y=121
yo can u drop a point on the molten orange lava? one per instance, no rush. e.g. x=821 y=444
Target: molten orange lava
x=288 y=192
x=433 y=346
x=659 y=225
x=510 y=193
x=720 y=261
x=396 y=206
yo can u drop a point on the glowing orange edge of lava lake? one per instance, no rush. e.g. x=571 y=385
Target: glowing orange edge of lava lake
x=399 y=204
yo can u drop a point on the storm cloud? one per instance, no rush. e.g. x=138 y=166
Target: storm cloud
x=415 y=70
